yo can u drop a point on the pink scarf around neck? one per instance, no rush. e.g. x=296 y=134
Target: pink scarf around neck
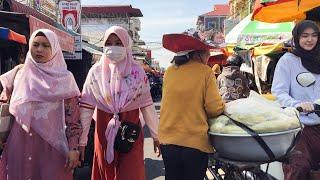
x=116 y=88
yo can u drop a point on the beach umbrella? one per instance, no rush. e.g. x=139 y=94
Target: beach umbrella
x=274 y=11
x=256 y=32
x=9 y=35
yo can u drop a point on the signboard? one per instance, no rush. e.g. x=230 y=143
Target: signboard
x=72 y=56
x=37 y=5
x=66 y=40
x=70 y=14
x=270 y=38
x=77 y=50
x=49 y=4
x=49 y=8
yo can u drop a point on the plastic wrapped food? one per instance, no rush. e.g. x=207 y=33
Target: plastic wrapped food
x=291 y=111
x=275 y=126
x=232 y=129
x=258 y=113
x=216 y=124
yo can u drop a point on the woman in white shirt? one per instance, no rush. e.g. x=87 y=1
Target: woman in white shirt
x=296 y=83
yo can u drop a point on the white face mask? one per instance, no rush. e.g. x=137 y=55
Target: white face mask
x=116 y=54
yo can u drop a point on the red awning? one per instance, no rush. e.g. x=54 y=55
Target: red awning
x=131 y=12
x=66 y=40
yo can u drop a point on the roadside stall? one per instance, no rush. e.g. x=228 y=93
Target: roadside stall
x=260 y=63
x=12 y=47
x=251 y=32
x=261 y=45
x=280 y=11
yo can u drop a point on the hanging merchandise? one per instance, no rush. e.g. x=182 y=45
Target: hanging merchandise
x=261 y=64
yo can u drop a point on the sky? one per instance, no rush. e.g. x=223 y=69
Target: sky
x=161 y=17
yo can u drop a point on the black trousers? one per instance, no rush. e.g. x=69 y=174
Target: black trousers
x=184 y=163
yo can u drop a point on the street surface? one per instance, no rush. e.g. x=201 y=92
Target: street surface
x=154 y=165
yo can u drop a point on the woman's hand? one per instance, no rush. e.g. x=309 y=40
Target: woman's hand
x=306 y=107
x=72 y=160
x=156 y=147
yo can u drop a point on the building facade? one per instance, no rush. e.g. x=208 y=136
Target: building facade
x=96 y=19
x=214 y=20
x=239 y=9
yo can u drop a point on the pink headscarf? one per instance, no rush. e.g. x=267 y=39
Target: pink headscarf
x=39 y=91
x=116 y=88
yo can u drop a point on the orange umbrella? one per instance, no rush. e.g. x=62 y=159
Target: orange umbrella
x=275 y=11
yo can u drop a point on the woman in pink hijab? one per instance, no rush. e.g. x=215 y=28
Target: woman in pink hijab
x=117 y=88
x=44 y=139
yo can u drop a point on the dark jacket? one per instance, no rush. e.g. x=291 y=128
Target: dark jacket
x=232 y=84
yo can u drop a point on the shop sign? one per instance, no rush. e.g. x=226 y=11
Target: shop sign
x=77 y=55
x=70 y=14
x=66 y=40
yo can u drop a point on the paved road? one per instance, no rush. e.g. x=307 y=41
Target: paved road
x=154 y=165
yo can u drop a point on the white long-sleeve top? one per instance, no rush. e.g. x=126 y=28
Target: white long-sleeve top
x=149 y=117
x=289 y=92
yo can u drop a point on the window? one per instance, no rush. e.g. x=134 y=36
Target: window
x=211 y=25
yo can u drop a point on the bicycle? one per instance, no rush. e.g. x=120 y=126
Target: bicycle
x=225 y=169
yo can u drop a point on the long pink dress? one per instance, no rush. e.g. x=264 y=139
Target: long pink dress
x=28 y=156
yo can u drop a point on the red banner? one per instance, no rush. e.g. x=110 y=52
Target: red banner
x=66 y=40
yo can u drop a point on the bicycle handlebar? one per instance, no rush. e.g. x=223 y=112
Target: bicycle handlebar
x=316 y=109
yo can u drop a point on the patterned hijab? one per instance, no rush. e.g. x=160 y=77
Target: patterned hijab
x=116 y=88
x=39 y=91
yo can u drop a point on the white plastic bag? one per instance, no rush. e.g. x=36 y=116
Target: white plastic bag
x=258 y=113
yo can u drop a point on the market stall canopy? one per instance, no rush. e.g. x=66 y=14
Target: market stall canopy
x=253 y=32
x=268 y=49
x=88 y=47
x=7 y=34
x=232 y=36
x=273 y=11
